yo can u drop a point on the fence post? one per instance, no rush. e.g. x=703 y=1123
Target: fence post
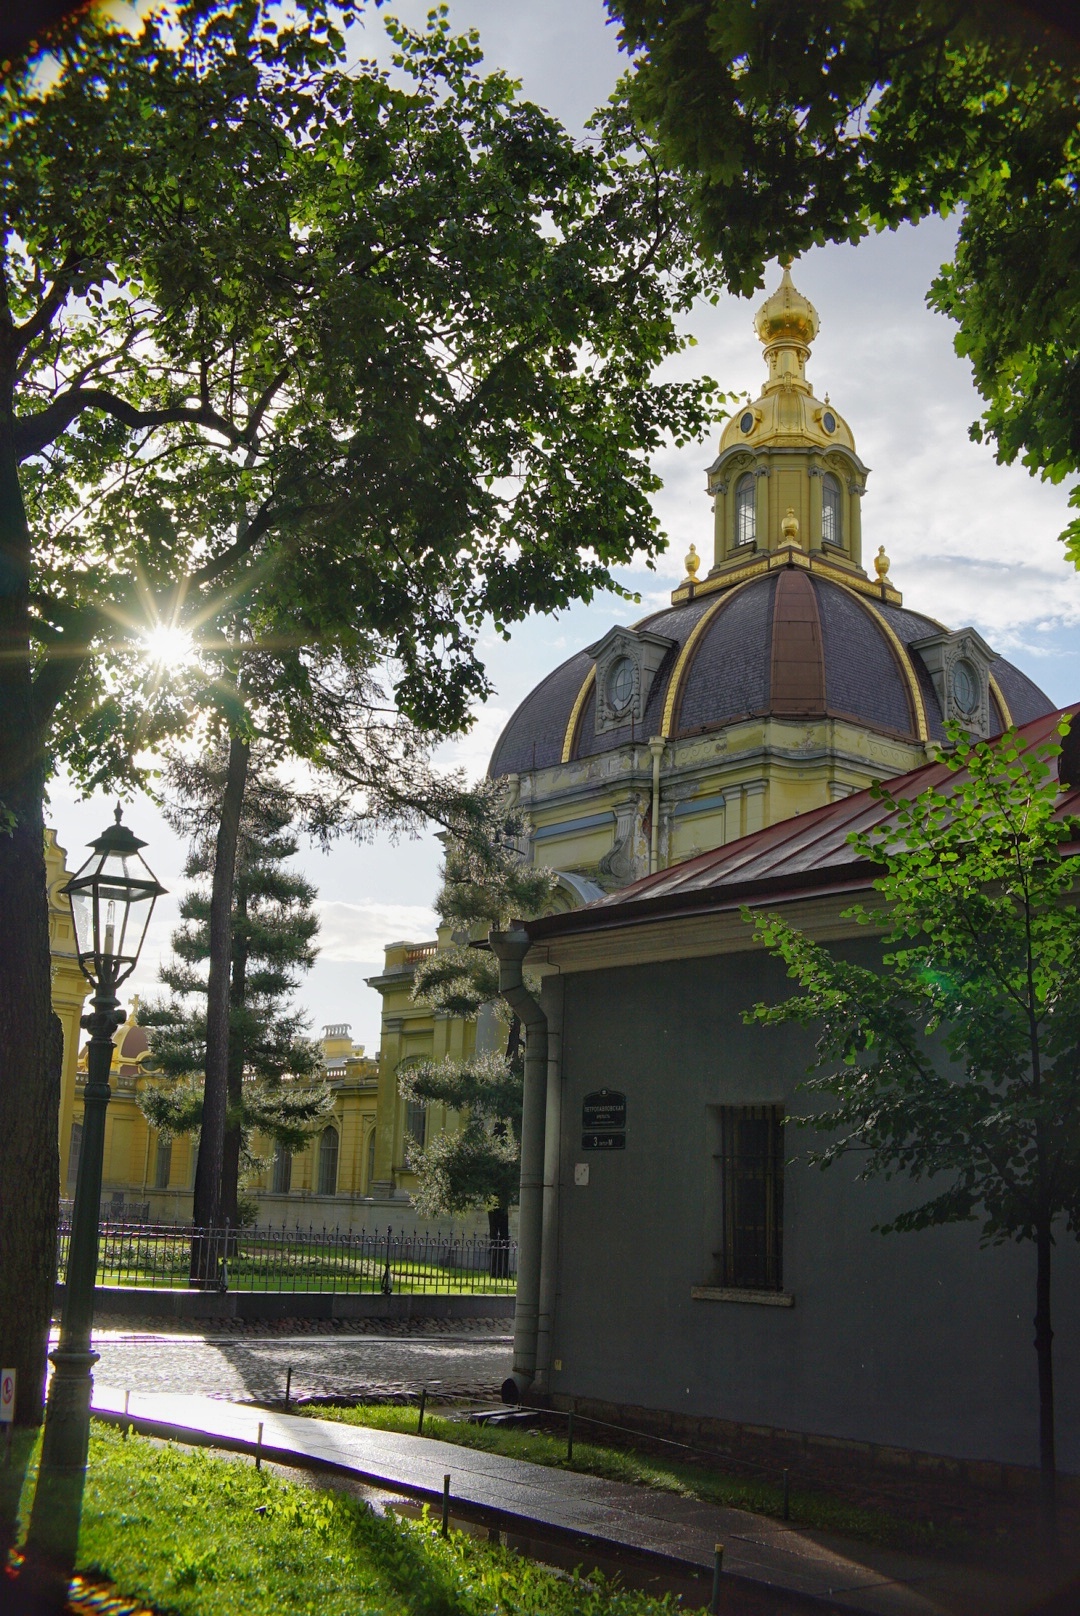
x=570 y=1436
x=223 y=1281
x=445 y=1505
x=388 y=1278
x=718 y=1572
x=423 y=1404
x=288 y=1387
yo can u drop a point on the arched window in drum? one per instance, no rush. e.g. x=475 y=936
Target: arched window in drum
x=831 y=531
x=745 y=509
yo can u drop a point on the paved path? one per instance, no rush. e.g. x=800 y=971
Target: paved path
x=516 y=1495
x=253 y=1369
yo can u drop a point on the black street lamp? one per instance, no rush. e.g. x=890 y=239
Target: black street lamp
x=112 y=898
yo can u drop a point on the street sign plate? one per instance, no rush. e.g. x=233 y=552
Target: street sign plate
x=603 y=1141
x=604 y=1109
x=7 y=1396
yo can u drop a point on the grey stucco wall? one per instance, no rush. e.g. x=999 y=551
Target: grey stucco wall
x=920 y=1341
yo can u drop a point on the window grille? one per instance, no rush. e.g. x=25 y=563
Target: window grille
x=163 y=1164
x=282 y=1179
x=328 y=1161
x=830 y=510
x=752 y=1196
x=745 y=510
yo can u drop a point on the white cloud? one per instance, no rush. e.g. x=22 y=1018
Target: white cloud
x=357 y=933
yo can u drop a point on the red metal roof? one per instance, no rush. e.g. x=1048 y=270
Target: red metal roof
x=809 y=853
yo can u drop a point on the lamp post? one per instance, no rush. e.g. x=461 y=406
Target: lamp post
x=112 y=898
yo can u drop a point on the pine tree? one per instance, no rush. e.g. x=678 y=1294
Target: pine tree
x=273 y=928
x=486 y=882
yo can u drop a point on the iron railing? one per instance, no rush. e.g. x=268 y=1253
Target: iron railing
x=178 y=1257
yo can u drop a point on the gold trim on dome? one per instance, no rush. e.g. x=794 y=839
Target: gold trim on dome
x=679 y=670
x=995 y=691
x=575 y=716
x=909 y=672
x=769 y=560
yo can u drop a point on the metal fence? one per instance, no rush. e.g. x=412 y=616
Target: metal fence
x=172 y=1256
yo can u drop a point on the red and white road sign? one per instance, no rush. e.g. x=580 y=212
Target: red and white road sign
x=7 y=1396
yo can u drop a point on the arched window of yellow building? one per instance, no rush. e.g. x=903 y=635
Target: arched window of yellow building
x=831 y=531
x=163 y=1164
x=281 y=1182
x=328 y=1160
x=370 y=1162
x=74 y=1150
x=745 y=511
x=416 y=1121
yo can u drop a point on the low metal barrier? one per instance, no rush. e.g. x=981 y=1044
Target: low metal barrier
x=178 y=1257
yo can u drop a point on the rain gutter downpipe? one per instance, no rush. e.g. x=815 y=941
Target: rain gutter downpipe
x=510 y=948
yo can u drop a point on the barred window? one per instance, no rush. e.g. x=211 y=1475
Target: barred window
x=281 y=1182
x=328 y=1161
x=745 y=510
x=163 y=1164
x=830 y=510
x=751 y=1160
x=370 y=1161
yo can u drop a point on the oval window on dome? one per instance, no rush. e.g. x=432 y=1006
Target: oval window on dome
x=828 y=421
x=965 y=686
x=746 y=421
x=620 y=684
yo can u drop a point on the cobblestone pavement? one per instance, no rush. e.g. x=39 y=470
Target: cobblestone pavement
x=253 y=1369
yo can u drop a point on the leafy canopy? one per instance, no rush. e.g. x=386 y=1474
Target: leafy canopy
x=799 y=125
x=351 y=361
x=958 y=1059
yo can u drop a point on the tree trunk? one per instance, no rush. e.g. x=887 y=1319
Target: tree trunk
x=206 y=1211
x=29 y=1065
x=1044 y=1337
x=230 y=1173
x=499 y=1237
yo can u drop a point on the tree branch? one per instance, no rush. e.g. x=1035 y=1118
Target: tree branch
x=34 y=433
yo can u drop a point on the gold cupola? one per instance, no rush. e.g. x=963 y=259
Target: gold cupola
x=787 y=319
x=787 y=483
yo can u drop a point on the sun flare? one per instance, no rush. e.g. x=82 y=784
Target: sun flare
x=168 y=646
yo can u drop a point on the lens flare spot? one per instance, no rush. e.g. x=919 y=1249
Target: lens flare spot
x=168 y=646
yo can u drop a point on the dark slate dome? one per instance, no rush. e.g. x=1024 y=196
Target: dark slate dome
x=788 y=643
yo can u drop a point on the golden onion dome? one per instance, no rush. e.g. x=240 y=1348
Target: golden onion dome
x=787 y=316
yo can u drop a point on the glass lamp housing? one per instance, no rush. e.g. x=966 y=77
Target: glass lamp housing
x=112 y=898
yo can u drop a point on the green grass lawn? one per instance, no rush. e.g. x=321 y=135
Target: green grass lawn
x=713 y=1486
x=195 y=1535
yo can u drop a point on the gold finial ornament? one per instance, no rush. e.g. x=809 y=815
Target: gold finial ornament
x=881 y=563
x=692 y=563
x=789 y=527
x=787 y=316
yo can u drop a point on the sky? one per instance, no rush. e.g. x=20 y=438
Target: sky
x=970 y=542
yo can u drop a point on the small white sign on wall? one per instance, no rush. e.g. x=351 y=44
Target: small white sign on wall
x=581 y=1172
x=7 y=1396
